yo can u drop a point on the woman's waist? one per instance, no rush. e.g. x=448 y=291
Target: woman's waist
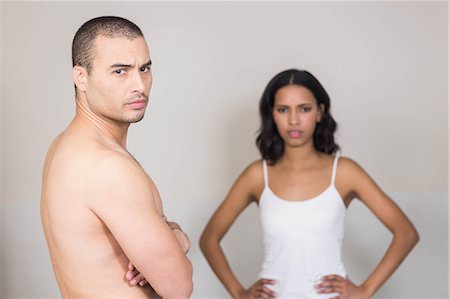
x=300 y=284
x=303 y=269
x=303 y=261
x=302 y=243
x=303 y=273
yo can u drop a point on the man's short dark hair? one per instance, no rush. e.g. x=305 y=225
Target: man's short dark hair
x=108 y=26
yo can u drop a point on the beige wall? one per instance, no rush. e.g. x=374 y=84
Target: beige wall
x=2 y=87
x=1 y=146
x=1 y=102
x=384 y=65
x=448 y=135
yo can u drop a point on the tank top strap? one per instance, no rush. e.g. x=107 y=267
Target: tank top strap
x=266 y=180
x=333 y=175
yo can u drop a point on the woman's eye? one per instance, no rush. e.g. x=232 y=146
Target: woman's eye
x=305 y=109
x=281 y=110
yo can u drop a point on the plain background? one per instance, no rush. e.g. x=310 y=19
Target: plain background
x=384 y=64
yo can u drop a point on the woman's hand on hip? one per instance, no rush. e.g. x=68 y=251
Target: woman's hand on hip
x=338 y=284
x=259 y=290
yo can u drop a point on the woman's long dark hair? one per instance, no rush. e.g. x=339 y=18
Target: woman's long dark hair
x=269 y=141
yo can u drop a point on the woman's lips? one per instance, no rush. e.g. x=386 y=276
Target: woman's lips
x=295 y=134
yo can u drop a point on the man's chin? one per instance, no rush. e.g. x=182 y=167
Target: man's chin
x=136 y=120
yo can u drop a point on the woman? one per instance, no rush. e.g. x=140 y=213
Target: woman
x=303 y=190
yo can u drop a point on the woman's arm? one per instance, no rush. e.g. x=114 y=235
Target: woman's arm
x=245 y=190
x=355 y=182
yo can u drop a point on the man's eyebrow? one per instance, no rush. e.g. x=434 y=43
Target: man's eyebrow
x=148 y=63
x=123 y=65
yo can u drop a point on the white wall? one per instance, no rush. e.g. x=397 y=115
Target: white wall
x=384 y=65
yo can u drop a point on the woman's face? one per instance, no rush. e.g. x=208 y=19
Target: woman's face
x=296 y=114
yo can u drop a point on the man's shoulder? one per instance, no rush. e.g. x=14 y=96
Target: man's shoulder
x=110 y=166
x=107 y=159
x=113 y=182
x=86 y=164
x=89 y=155
x=90 y=164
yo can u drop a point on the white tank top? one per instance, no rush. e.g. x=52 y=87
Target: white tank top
x=302 y=239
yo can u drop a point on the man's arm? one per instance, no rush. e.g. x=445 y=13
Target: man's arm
x=180 y=235
x=124 y=199
x=136 y=278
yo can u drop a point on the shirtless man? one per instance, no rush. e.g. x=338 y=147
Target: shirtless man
x=99 y=208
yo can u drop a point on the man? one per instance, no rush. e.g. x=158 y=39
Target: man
x=99 y=208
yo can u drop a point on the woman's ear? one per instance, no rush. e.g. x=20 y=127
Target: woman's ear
x=79 y=76
x=320 y=112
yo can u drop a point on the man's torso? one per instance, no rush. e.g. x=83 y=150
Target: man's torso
x=87 y=260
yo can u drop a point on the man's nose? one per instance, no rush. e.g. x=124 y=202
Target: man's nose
x=138 y=83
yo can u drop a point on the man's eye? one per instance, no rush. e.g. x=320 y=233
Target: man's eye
x=120 y=72
x=145 y=69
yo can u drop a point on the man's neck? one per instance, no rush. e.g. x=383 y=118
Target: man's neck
x=112 y=131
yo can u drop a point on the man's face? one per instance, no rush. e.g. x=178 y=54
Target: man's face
x=118 y=86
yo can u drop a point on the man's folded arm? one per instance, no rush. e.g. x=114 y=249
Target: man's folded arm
x=123 y=199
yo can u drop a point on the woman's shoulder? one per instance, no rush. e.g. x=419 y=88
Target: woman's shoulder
x=348 y=168
x=251 y=180
x=347 y=162
x=254 y=169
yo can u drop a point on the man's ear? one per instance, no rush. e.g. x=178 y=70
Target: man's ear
x=79 y=77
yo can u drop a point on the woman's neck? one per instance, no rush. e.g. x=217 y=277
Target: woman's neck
x=299 y=157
